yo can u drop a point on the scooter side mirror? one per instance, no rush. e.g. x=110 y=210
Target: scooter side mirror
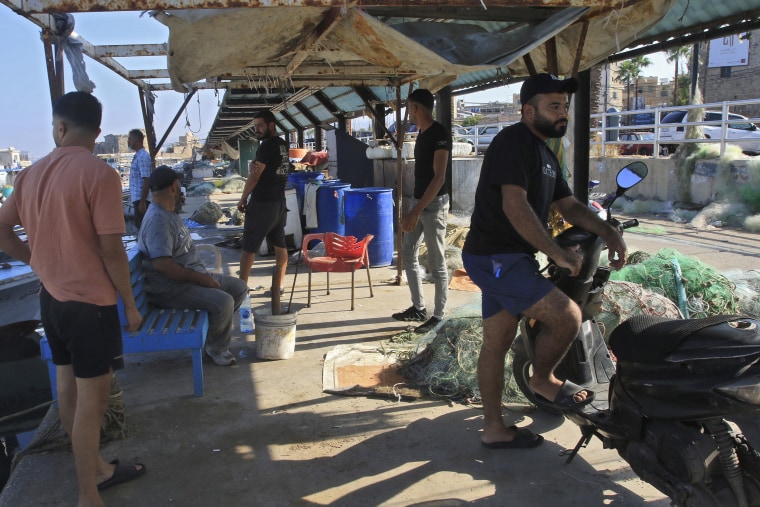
x=627 y=177
x=631 y=175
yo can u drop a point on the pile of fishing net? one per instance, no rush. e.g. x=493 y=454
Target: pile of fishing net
x=622 y=300
x=697 y=288
x=446 y=360
x=747 y=290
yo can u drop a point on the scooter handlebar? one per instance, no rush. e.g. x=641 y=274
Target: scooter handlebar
x=629 y=223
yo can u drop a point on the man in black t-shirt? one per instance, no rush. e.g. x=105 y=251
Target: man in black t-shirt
x=265 y=212
x=519 y=181
x=429 y=212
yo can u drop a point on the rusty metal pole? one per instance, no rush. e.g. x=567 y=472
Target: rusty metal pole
x=53 y=83
x=174 y=121
x=400 y=132
x=150 y=133
x=59 y=68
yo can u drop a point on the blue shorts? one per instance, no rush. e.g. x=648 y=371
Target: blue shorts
x=508 y=282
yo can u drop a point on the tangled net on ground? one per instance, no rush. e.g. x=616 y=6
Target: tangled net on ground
x=51 y=436
x=707 y=291
x=448 y=363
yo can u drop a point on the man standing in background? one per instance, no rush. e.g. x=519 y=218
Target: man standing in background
x=139 y=173
x=429 y=213
x=265 y=213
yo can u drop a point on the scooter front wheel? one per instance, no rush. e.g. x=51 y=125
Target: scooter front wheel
x=522 y=369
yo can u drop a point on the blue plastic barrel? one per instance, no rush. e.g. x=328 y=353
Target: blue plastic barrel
x=370 y=211
x=330 y=216
x=298 y=180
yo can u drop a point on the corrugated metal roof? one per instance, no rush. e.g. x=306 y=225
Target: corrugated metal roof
x=317 y=60
x=689 y=16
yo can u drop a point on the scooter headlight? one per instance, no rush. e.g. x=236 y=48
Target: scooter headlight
x=746 y=390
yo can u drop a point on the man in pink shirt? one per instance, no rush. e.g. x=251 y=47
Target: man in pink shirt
x=69 y=204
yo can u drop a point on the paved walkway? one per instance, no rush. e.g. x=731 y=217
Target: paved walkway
x=265 y=433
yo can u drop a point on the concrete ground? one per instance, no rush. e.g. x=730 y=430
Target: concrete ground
x=265 y=434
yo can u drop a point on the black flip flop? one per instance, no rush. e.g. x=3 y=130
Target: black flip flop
x=122 y=473
x=523 y=440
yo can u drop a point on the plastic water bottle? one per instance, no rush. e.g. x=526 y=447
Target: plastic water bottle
x=246 y=323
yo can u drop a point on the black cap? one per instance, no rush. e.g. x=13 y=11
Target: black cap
x=422 y=97
x=162 y=177
x=546 y=83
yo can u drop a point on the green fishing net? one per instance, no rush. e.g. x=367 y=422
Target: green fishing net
x=707 y=292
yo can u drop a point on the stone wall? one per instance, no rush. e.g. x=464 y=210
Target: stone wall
x=661 y=183
x=465 y=174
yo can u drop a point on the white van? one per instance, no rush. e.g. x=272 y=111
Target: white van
x=738 y=128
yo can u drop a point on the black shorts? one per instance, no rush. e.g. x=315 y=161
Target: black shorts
x=264 y=219
x=86 y=336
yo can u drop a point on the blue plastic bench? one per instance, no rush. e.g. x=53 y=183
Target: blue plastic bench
x=162 y=329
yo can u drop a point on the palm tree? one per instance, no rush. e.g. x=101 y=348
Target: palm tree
x=640 y=62
x=626 y=73
x=675 y=55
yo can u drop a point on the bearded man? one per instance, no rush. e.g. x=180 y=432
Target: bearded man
x=519 y=181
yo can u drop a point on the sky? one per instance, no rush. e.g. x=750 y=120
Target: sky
x=25 y=96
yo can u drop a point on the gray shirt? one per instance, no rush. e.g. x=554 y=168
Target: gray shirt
x=164 y=234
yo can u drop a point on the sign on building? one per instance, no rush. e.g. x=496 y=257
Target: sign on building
x=729 y=51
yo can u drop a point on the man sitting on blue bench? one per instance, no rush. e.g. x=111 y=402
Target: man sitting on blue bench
x=174 y=275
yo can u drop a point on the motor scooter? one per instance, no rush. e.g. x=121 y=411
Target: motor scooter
x=671 y=393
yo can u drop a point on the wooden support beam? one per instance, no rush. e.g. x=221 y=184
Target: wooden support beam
x=529 y=64
x=311 y=39
x=552 y=64
x=150 y=132
x=291 y=120
x=581 y=44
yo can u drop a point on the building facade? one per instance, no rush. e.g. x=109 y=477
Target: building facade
x=736 y=81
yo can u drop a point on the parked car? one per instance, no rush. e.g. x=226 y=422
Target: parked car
x=458 y=130
x=484 y=136
x=739 y=127
x=410 y=128
x=641 y=119
x=641 y=143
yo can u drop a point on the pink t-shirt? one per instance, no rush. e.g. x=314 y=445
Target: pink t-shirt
x=64 y=201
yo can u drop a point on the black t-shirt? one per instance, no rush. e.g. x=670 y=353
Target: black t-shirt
x=515 y=157
x=273 y=152
x=435 y=137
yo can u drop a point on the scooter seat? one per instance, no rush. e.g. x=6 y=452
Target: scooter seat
x=650 y=340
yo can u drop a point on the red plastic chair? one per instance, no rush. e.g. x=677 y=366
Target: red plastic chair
x=343 y=254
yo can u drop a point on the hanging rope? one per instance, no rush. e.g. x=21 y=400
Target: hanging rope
x=187 y=117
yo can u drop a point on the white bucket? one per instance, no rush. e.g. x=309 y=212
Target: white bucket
x=275 y=334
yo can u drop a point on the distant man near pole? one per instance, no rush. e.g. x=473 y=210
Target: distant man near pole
x=428 y=216
x=139 y=173
x=69 y=203
x=265 y=213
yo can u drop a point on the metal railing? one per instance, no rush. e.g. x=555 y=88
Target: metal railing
x=612 y=123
